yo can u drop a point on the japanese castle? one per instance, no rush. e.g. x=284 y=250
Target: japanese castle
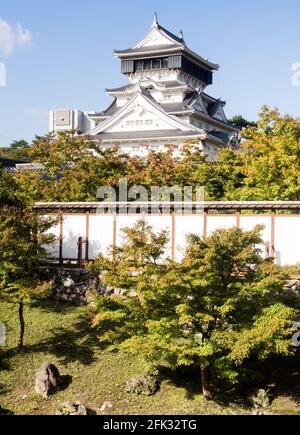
x=165 y=101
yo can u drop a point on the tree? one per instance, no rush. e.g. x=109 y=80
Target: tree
x=217 y=309
x=74 y=168
x=271 y=158
x=18 y=150
x=23 y=236
x=240 y=122
x=265 y=168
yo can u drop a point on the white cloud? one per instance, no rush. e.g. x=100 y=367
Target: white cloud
x=23 y=36
x=13 y=37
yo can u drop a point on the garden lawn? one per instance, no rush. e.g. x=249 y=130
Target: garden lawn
x=91 y=375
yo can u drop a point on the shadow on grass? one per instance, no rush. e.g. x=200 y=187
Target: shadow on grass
x=65 y=382
x=70 y=345
x=77 y=343
x=50 y=306
x=187 y=378
x=283 y=377
x=279 y=376
x=4 y=364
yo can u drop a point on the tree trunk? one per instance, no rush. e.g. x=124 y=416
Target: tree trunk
x=205 y=383
x=22 y=325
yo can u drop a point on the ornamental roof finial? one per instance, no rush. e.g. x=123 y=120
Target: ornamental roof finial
x=182 y=35
x=155 y=20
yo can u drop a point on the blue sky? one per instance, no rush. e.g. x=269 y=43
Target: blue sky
x=61 y=53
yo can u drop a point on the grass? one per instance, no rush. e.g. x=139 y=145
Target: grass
x=93 y=375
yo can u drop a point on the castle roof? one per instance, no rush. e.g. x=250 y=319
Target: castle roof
x=161 y=41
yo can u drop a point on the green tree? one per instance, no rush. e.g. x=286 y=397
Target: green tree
x=219 y=307
x=240 y=122
x=74 y=168
x=18 y=150
x=265 y=168
x=23 y=235
x=271 y=158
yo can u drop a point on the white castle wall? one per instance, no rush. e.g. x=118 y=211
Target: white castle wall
x=281 y=233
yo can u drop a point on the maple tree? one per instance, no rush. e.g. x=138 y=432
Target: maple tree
x=23 y=237
x=219 y=307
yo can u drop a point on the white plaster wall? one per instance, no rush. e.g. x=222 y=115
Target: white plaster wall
x=184 y=226
x=123 y=99
x=146 y=121
x=53 y=250
x=156 y=75
x=220 y=222
x=73 y=228
x=167 y=96
x=248 y=223
x=287 y=240
x=100 y=234
x=125 y=222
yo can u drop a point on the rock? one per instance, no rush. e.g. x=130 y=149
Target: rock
x=132 y=294
x=296 y=286
x=69 y=408
x=81 y=289
x=260 y=400
x=292 y=285
x=107 y=290
x=76 y=275
x=93 y=283
x=83 y=300
x=47 y=380
x=64 y=298
x=68 y=282
x=142 y=385
x=105 y=406
x=85 y=273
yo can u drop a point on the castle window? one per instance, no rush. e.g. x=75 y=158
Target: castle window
x=139 y=65
x=165 y=62
x=148 y=64
x=157 y=63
